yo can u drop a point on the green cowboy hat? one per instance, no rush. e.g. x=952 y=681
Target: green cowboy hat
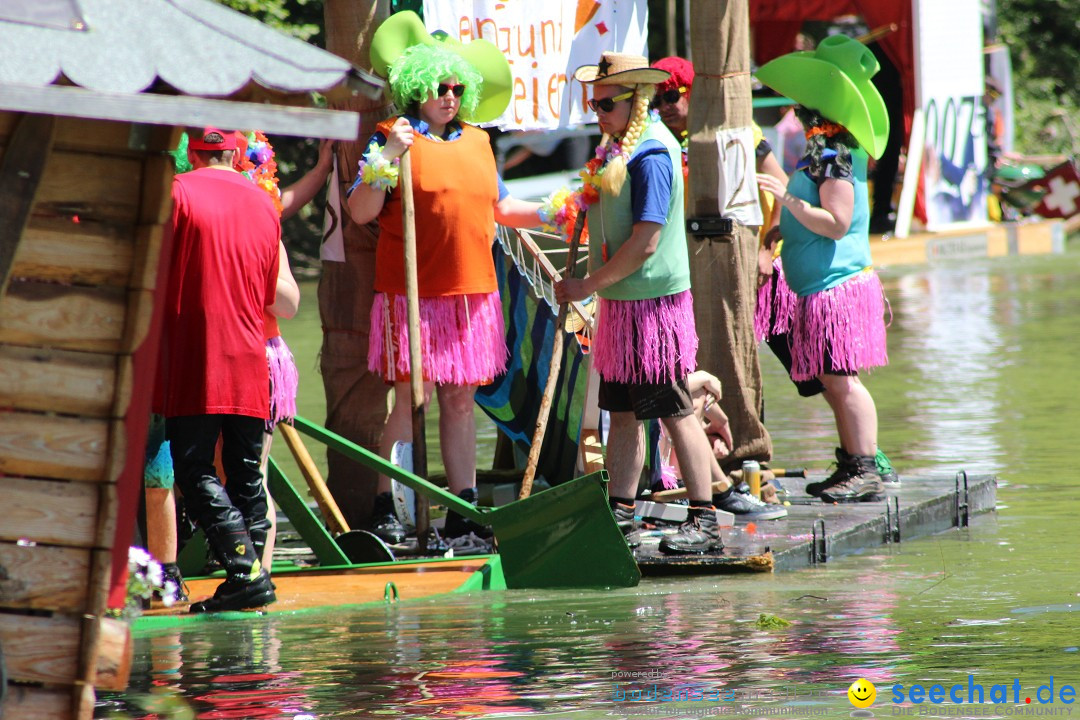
x=835 y=81
x=404 y=29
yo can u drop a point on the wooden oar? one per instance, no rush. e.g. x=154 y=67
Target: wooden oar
x=554 y=367
x=335 y=521
x=416 y=374
x=359 y=546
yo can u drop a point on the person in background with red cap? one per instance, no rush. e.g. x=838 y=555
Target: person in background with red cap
x=213 y=374
x=672 y=103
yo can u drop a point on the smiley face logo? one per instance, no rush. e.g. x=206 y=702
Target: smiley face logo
x=862 y=693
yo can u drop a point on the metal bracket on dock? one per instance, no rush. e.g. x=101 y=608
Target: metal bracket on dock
x=892 y=520
x=819 y=548
x=962 y=507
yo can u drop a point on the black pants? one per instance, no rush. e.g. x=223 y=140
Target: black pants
x=192 y=440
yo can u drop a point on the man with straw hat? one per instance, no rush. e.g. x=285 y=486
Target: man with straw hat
x=646 y=343
x=836 y=317
x=438 y=84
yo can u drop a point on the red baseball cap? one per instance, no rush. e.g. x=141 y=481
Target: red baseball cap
x=203 y=141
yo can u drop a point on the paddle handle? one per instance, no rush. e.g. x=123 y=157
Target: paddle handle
x=416 y=370
x=330 y=510
x=554 y=367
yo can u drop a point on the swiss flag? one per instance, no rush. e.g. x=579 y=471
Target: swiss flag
x=1062 y=188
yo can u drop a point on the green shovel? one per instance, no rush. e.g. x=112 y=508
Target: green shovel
x=562 y=537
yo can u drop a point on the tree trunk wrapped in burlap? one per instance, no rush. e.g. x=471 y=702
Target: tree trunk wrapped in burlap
x=723 y=271
x=356 y=399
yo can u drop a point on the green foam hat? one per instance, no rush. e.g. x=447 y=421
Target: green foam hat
x=834 y=79
x=404 y=29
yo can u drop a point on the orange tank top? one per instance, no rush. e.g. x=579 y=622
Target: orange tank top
x=455 y=188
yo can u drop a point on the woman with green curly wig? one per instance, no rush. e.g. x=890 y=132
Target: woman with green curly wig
x=458 y=198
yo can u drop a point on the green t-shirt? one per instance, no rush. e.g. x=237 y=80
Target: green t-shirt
x=610 y=221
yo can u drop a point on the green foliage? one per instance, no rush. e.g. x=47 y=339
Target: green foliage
x=300 y=18
x=1044 y=41
x=767 y=621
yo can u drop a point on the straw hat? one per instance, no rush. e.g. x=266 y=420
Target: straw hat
x=834 y=79
x=620 y=69
x=405 y=29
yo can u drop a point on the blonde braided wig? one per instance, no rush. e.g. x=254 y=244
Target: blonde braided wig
x=611 y=181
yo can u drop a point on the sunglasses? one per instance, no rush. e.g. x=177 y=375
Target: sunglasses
x=443 y=88
x=668 y=96
x=608 y=104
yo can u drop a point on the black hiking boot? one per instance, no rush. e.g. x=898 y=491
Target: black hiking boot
x=699 y=534
x=464 y=536
x=861 y=484
x=247 y=584
x=384 y=520
x=171 y=574
x=745 y=507
x=627 y=522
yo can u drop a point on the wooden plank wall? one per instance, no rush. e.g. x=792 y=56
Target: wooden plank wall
x=78 y=304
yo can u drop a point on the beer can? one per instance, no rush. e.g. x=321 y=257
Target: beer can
x=751 y=472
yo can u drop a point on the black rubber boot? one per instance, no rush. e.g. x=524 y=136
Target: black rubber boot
x=384 y=520
x=247 y=584
x=458 y=526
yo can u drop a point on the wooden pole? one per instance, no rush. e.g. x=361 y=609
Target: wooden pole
x=327 y=505
x=356 y=398
x=554 y=367
x=723 y=269
x=416 y=371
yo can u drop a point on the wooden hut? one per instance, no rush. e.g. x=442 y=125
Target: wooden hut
x=92 y=95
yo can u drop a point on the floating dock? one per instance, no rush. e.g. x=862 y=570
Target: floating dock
x=815 y=532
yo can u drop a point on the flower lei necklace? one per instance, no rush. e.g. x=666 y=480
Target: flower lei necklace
x=560 y=209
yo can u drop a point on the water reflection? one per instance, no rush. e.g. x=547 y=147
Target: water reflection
x=519 y=654
x=949 y=328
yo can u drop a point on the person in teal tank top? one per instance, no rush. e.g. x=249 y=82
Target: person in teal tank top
x=646 y=342
x=834 y=312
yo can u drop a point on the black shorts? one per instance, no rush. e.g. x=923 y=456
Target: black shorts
x=807 y=388
x=648 y=401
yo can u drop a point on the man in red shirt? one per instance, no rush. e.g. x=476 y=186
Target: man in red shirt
x=214 y=378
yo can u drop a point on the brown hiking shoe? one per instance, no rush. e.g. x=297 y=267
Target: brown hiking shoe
x=862 y=482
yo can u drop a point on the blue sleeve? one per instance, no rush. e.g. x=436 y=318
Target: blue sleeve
x=650 y=173
x=380 y=140
x=503 y=192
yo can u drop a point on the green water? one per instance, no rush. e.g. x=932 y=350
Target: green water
x=981 y=378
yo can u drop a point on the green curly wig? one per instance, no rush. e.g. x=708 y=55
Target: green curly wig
x=418 y=72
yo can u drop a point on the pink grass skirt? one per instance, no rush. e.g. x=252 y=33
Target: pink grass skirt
x=845 y=323
x=284 y=381
x=775 y=305
x=462 y=338
x=646 y=340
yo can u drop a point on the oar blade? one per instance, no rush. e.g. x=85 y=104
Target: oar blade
x=564 y=537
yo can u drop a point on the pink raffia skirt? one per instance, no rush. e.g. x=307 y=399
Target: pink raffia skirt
x=462 y=339
x=775 y=305
x=843 y=326
x=646 y=340
x=284 y=381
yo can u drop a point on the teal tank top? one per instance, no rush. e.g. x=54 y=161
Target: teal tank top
x=813 y=262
